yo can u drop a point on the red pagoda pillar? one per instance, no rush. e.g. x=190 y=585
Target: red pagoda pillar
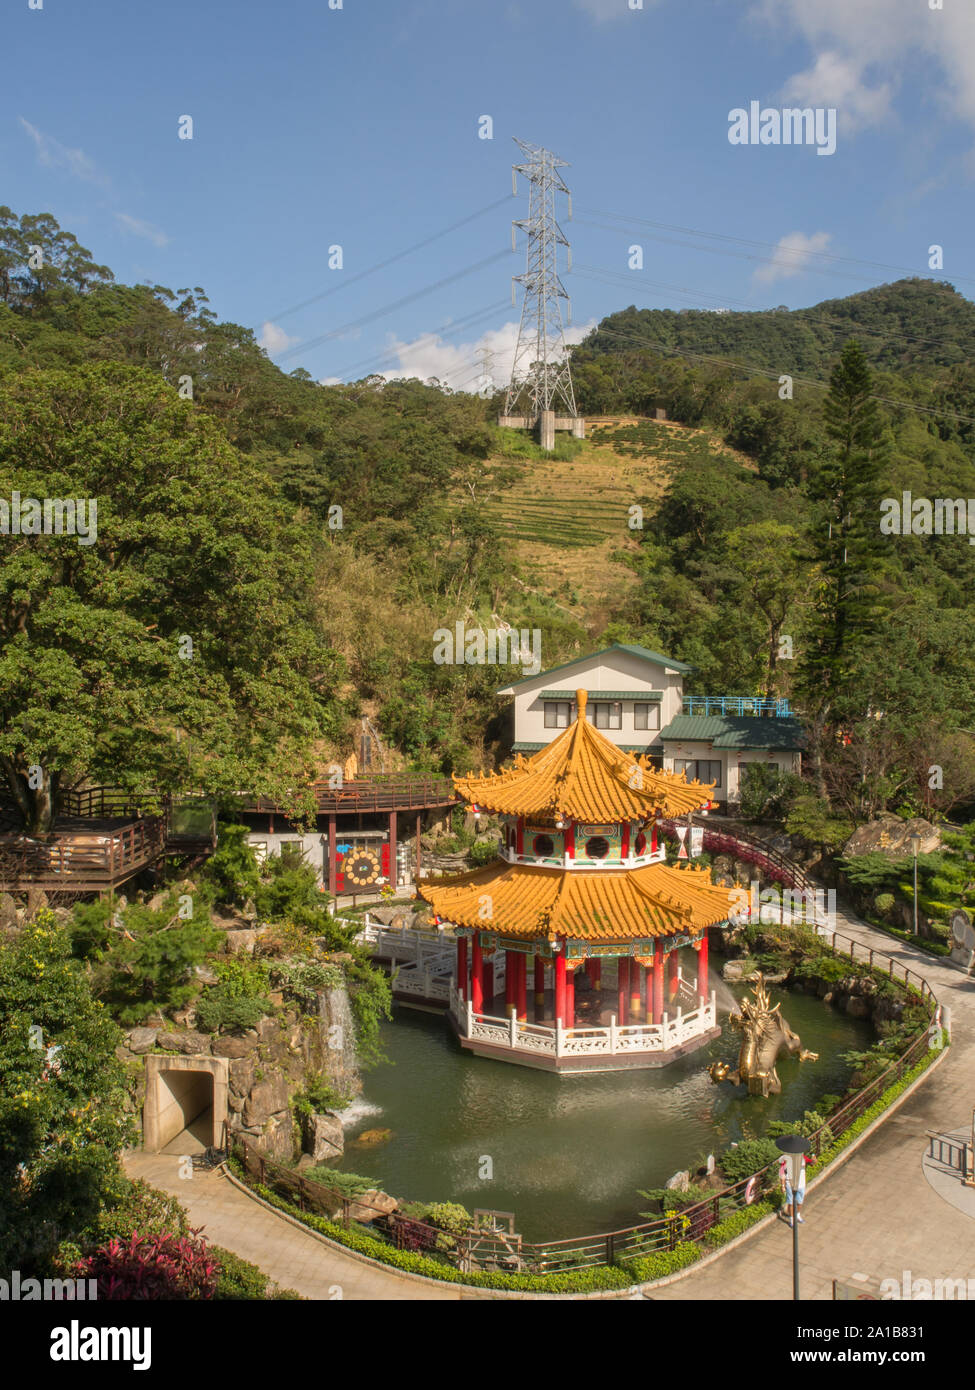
x=636 y=989
x=510 y=980
x=702 y=968
x=462 y=966
x=570 y=999
x=477 y=976
x=595 y=970
x=539 y=980
x=623 y=986
x=658 y=983
x=522 y=996
x=673 y=960
x=488 y=982
x=560 y=987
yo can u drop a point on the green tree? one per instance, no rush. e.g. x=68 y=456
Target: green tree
x=148 y=963
x=176 y=650
x=844 y=546
x=62 y=1123
x=765 y=555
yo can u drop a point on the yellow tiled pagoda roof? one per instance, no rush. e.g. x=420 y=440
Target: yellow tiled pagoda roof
x=599 y=905
x=582 y=775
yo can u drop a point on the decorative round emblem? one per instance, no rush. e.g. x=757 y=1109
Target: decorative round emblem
x=361 y=867
x=640 y=844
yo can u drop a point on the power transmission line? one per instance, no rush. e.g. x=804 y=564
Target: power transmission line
x=347 y=280
x=391 y=308
x=447 y=329
x=763 y=245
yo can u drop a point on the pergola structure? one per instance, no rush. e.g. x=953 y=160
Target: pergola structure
x=581 y=897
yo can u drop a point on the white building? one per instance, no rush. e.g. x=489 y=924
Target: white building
x=636 y=698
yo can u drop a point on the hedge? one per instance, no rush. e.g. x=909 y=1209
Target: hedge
x=735 y=1224
x=662 y=1263
x=589 y=1280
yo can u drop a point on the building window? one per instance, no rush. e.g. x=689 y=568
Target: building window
x=557 y=714
x=543 y=846
x=702 y=770
x=597 y=847
x=605 y=715
x=640 y=845
x=646 y=716
x=293 y=852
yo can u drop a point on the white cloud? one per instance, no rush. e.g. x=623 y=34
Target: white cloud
x=459 y=365
x=791 y=256
x=889 y=40
x=143 y=229
x=835 y=81
x=274 y=339
x=53 y=155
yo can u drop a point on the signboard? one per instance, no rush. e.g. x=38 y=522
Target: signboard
x=697 y=840
x=682 y=836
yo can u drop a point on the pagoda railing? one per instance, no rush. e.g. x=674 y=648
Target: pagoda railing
x=735 y=704
x=657 y=856
x=616 y=1040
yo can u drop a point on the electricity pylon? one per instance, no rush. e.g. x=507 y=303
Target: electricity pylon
x=540 y=376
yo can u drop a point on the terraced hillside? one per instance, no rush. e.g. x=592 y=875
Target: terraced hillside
x=567 y=517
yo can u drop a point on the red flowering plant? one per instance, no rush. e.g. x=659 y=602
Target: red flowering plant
x=153 y=1267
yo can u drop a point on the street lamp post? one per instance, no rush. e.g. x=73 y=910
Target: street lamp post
x=795 y=1147
x=915 y=844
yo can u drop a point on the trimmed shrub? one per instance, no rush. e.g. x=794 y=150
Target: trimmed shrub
x=747 y=1158
x=239 y=1279
x=733 y=1226
x=661 y=1263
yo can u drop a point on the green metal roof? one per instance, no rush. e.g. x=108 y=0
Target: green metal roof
x=643 y=652
x=537 y=747
x=728 y=731
x=643 y=696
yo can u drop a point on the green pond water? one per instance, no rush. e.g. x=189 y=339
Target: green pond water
x=570 y=1152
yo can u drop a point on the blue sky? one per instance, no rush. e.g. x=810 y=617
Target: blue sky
x=358 y=127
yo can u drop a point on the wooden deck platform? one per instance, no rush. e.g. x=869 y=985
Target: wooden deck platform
x=81 y=855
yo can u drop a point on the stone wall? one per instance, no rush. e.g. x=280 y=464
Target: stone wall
x=267 y=1065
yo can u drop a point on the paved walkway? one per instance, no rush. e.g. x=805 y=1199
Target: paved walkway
x=876 y=1215
x=293 y=1259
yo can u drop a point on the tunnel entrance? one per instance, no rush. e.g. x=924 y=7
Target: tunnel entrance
x=186 y=1104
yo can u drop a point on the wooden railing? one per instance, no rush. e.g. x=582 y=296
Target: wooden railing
x=393 y=792
x=88 y=863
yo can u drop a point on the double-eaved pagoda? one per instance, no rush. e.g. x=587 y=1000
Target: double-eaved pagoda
x=615 y=939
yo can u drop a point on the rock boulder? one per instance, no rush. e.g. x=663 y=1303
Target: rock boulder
x=372 y=1204
x=324 y=1137
x=141 y=1039
x=890 y=835
x=266 y=1098
x=187 y=1043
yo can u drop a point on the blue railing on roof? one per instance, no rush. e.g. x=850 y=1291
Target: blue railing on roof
x=736 y=704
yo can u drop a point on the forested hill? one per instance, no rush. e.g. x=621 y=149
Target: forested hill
x=316 y=537
x=912 y=324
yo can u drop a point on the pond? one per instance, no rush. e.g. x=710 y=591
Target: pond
x=567 y=1154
